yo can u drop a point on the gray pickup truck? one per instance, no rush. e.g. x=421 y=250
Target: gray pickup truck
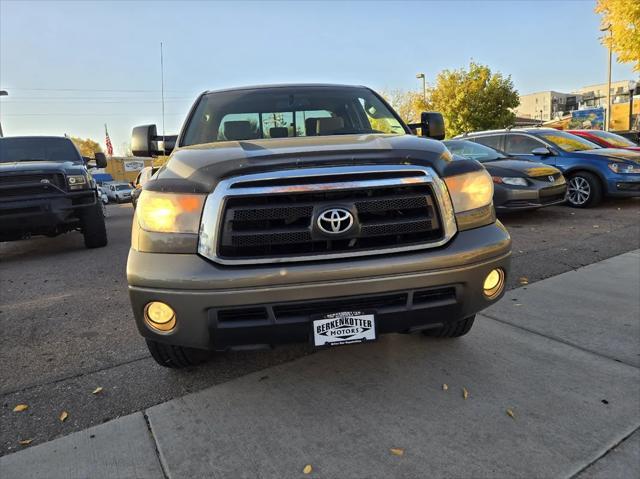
x=297 y=213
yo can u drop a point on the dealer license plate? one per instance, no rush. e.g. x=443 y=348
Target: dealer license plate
x=346 y=327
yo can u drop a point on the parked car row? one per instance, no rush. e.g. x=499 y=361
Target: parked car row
x=592 y=171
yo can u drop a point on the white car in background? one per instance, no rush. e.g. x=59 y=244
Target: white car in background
x=119 y=192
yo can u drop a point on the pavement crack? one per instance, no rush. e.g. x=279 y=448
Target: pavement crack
x=163 y=466
x=559 y=340
x=73 y=376
x=604 y=454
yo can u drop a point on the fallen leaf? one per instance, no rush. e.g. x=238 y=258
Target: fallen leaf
x=20 y=408
x=523 y=280
x=97 y=390
x=396 y=451
x=465 y=393
x=307 y=469
x=445 y=387
x=510 y=413
x=63 y=416
x=25 y=442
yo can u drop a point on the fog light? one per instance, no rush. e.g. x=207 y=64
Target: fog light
x=493 y=283
x=160 y=316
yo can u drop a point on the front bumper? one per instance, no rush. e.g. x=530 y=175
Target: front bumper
x=218 y=307
x=516 y=198
x=624 y=186
x=34 y=214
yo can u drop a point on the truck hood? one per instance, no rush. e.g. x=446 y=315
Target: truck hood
x=199 y=168
x=38 y=166
x=521 y=168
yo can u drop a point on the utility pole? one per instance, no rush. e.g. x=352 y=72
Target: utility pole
x=164 y=148
x=608 y=112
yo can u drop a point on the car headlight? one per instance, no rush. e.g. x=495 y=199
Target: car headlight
x=624 y=168
x=77 y=182
x=510 y=180
x=169 y=212
x=470 y=191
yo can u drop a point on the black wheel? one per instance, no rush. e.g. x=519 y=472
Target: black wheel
x=176 y=357
x=93 y=227
x=452 y=330
x=584 y=190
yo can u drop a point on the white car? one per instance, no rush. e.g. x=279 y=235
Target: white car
x=119 y=192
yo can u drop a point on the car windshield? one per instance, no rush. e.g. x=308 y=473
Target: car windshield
x=123 y=187
x=473 y=151
x=38 y=149
x=615 y=140
x=566 y=141
x=283 y=112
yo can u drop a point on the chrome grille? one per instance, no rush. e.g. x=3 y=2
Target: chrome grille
x=270 y=217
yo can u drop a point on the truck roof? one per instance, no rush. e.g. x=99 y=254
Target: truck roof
x=284 y=85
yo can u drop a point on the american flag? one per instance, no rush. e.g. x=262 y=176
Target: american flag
x=107 y=140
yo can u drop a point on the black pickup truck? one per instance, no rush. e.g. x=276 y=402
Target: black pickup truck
x=46 y=189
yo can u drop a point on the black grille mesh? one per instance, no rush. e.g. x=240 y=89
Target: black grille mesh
x=282 y=224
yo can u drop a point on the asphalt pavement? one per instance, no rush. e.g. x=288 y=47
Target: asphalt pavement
x=527 y=393
x=67 y=328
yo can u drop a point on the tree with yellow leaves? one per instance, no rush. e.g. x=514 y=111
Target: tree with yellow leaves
x=623 y=17
x=88 y=148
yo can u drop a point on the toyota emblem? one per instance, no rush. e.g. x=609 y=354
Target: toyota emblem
x=335 y=221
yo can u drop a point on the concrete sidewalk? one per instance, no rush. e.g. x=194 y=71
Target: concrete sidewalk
x=562 y=354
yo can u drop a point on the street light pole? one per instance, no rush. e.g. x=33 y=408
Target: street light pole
x=2 y=93
x=632 y=90
x=424 y=85
x=608 y=121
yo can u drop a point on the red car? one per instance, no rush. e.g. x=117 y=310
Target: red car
x=606 y=139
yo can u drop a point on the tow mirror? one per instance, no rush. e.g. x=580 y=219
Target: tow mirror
x=101 y=160
x=146 y=142
x=541 y=151
x=431 y=124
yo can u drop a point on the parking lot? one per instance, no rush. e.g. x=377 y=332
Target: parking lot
x=67 y=327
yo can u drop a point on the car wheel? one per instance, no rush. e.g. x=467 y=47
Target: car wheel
x=176 y=357
x=584 y=190
x=93 y=227
x=452 y=330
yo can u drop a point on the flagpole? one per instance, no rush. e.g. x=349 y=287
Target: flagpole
x=164 y=148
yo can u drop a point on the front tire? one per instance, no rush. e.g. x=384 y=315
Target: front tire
x=93 y=226
x=584 y=190
x=176 y=357
x=452 y=330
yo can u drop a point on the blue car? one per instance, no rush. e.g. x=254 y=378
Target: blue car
x=592 y=172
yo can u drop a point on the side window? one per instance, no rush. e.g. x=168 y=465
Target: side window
x=521 y=144
x=306 y=121
x=382 y=124
x=492 y=141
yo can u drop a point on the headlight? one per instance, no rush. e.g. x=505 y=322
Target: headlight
x=624 y=168
x=510 y=180
x=169 y=212
x=470 y=191
x=76 y=182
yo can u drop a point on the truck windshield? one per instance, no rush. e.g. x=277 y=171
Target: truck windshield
x=38 y=149
x=283 y=112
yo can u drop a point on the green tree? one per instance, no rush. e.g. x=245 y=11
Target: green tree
x=408 y=104
x=624 y=39
x=87 y=146
x=473 y=99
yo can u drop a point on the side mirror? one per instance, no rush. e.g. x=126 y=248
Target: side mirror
x=541 y=151
x=146 y=142
x=432 y=125
x=101 y=160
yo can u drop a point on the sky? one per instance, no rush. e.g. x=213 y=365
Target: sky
x=70 y=67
